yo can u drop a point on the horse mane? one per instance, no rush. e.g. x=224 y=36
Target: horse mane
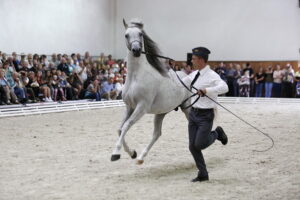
x=151 y=49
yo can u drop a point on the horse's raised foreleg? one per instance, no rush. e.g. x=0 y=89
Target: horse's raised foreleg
x=158 y=119
x=138 y=112
x=132 y=153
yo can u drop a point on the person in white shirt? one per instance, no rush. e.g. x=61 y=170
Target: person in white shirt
x=204 y=81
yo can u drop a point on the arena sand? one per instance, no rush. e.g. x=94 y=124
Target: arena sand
x=67 y=156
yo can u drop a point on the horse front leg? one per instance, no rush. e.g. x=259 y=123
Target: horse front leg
x=158 y=119
x=138 y=112
x=128 y=112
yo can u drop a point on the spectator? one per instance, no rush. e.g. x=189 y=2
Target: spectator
x=287 y=81
x=15 y=61
x=76 y=83
x=221 y=70
x=230 y=76
x=9 y=70
x=57 y=89
x=4 y=89
x=63 y=66
x=29 y=92
x=186 y=68
x=244 y=84
x=33 y=84
x=277 y=81
x=268 y=82
x=119 y=86
x=93 y=91
x=297 y=80
x=237 y=75
x=251 y=75
x=4 y=58
x=19 y=88
x=43 y=85
x=108 y=90
x=259 y=81
x=110 y=61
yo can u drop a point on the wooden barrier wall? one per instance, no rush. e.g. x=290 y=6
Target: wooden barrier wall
x=255 y=64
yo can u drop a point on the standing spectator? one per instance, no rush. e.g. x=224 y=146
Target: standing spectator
x=221 y=70
x=237 y=75
x=101 y=60
x=230 y=79
x=287 y=81
x=268 y=82
x=110 y=61
x=259 y=80
x=277 y=81
x=251 y=75
x=297 y=80
x=186 y=68
x=244 y=84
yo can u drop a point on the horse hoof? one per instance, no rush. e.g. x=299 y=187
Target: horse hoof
x=134 y=155
x=139 y=162
x=115 y=157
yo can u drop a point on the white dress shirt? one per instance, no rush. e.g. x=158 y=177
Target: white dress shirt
x=210 y=81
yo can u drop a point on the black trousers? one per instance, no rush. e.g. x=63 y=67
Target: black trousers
x=201 y=136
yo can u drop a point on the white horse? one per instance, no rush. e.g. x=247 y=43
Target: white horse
x=149 y=88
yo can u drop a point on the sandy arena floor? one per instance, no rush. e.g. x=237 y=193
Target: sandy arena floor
x=67 y=156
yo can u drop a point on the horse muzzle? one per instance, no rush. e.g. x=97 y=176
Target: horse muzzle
x=136 y=52
x=136 y=49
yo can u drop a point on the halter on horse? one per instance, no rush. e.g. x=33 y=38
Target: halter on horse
x=149 y=88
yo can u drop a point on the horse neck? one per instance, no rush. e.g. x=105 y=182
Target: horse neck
x=135 y=64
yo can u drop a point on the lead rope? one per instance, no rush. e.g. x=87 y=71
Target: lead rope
x=195 y=93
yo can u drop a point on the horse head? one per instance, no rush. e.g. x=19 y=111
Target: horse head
x=134 y=36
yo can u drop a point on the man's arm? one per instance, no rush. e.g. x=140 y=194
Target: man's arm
x=220 y=87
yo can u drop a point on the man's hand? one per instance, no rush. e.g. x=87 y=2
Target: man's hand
x=202 y=92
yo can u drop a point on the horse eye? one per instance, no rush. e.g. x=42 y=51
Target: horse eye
x=127 y=36
x=140 y=34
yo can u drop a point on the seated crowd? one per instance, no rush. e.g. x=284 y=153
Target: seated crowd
x=273 y=81
x=35 y=78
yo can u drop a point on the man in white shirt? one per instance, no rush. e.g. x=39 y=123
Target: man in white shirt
x=206 y=82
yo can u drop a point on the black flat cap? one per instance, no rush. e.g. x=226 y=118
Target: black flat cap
x=201 y=51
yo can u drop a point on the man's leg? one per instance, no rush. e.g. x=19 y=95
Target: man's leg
x=201 y=137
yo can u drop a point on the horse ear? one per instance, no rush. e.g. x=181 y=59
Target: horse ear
x=125 y=24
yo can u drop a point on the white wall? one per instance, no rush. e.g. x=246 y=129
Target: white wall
x=231 y=29
x=60 y=26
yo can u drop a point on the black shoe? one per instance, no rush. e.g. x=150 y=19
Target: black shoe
x=200 y=179
x=221 y=135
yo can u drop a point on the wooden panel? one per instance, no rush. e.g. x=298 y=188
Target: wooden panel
x=255 y=64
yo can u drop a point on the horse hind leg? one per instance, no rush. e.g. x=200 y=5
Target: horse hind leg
x=134 y=117
x=132 y=153
x=158 y=119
